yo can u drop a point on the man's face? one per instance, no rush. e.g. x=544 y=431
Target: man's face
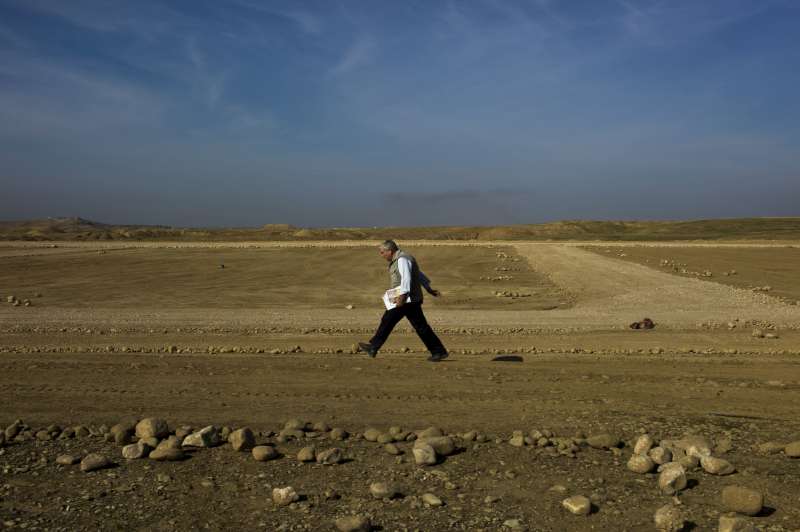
x=386 y=254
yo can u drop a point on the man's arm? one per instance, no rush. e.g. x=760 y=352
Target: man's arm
x=426 y=284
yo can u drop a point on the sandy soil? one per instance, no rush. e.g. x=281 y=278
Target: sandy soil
x=116 y=335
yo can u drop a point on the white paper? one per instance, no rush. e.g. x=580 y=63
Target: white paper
x=389 y=295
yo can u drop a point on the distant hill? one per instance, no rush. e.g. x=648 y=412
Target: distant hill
x=720 y=229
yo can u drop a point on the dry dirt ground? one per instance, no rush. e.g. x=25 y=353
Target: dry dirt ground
x=133 y=330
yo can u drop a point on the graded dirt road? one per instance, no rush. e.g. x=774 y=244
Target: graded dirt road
x=164 y=331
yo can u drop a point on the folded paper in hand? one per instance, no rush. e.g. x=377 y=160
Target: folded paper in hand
x=389 y=295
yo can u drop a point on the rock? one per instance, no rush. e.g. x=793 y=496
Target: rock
x=742 y=500
x=67 y=459
x=695 y=446
x=770 y=447
x=170 y=443
x=660 y=455
x=517 y=440
x=432 y=500
x=384 y=490
x=577 y=504
x=284 y=496
x=320 y=426
x=135 y=451
x=12 y=430
x=306 y=454
x=672 y=478
x=470 y=436
x=603 y=441
x=152 y=427
x=123 y=433
x=392 y=449
x=640 y=463
x=242 y=439
x=167 y=454
x=338 y=434
x=263 y=453
x=669 y=518
x=716 y=466
x=430 y=432
x=330 y=457
x=81 y=431
x=371 y=434
x=206 y=437
x=353 y=523
x=152 y=442
x=757 y=333
x=225 y=433
x=443 y=445
x=792 y=450
x=94 y=461
x=295 y=424
x=513 y=524
x=735 y=523
x=182 y=432
x=424 y=455
x=643 y=444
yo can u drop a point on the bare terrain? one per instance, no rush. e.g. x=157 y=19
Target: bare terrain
x=255 y=333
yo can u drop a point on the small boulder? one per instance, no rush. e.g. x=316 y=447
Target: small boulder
x=135 y=451
x=669 y=518
x=67 y=459
x=443 y=445
x=424 y=455
x=264 y=453
x=672 y=478
x=242 y=439
x=94 y=461
x=284 y=496
x=603 y=441
x=353 y=523
x=742 y=500
x=792 y=450
x=640 y=463
x=643 y=444
x=330 y=456
x=306 y=454
x=384 y=490
x=716 y=466
x=205 y=438
x=167 y=454
x=578 y=505
x=152 y=427
x=735 y=523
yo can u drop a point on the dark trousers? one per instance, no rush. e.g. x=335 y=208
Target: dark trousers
x=412 y=311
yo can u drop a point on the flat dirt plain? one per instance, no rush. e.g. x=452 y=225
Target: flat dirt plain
x=120 y=331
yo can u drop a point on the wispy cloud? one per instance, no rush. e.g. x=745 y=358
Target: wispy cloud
x=360 y=53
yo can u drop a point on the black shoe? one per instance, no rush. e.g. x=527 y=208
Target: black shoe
x=438 y=357
x=368 y=348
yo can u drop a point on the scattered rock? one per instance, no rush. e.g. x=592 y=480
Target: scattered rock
x=443 y=445
x=152 y=427
x=430 y=432
x=384 y=490
x=432 y=500
x=94 y=461
x=660 y=455
x=263 y=453
x=672 y=478
x=242 y=439
x=640 y=463
x=735 y=523
x=392 y=449
x=67 y=459
x=205 y=438
x=306 y=454
x=338 y=434
x=577 y=504
x=371 y=434
x=716 y=466
x=643 y=444
x=330 y=457
x=284 y=496
x=603 y=441
x=742 y=500
x=167 y=454
x=424 y=455
x=695 y=446
x=792 y=450
x=137 y=450
x=354 y=523
x=669 y=518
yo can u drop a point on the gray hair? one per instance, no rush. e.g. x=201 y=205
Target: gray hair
x=389 y=245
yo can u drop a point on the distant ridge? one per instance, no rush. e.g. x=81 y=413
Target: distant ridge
x=76 y=228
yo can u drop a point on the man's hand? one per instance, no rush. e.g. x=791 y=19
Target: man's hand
x=400 y=300
x=434 y=292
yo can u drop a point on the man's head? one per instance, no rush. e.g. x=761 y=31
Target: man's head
x=387 y=249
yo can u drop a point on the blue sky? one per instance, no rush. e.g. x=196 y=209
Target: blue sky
x=362 y=113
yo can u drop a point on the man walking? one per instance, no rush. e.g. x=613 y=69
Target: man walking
x=404 y=273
